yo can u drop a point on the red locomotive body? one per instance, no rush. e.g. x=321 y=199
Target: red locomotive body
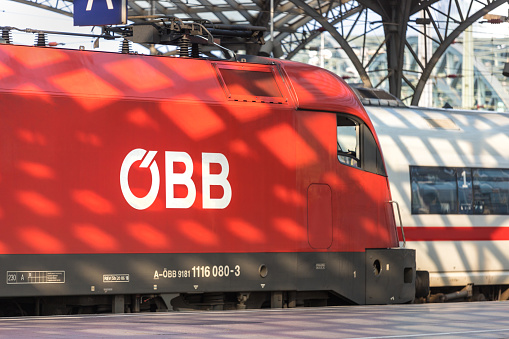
x=125 y=174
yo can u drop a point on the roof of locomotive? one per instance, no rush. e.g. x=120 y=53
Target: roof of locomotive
x=134 y=76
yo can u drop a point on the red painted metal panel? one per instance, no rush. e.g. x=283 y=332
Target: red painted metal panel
x=111 y=76
x=319 y=216
x=310 y=83
x=69 y=120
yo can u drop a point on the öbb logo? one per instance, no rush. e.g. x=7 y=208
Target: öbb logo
x=172 y=179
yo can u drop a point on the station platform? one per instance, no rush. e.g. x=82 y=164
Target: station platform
x=451 y=320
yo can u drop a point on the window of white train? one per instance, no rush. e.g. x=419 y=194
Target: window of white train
x=459 y=190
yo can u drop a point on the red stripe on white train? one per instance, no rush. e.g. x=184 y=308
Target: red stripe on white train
x=454 y=233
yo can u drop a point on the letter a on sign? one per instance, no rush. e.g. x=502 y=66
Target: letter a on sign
x=100 y=12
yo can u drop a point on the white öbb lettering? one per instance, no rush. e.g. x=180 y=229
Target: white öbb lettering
x=109 y=4
x=172 y=179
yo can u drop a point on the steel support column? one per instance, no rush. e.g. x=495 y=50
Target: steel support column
x=395 y=27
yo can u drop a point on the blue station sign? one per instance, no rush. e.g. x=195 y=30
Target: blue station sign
x=100 y=12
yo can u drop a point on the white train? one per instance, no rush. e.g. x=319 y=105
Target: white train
x=449 y=172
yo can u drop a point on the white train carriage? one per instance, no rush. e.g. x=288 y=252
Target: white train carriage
x=449 y=172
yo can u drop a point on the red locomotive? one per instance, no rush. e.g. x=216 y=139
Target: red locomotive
x=211 y=183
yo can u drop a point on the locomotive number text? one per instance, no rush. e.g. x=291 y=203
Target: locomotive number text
x=216 y=271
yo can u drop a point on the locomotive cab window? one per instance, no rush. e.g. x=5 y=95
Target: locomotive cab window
x=357 y=146
x=348 y=142
x=252 y=83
